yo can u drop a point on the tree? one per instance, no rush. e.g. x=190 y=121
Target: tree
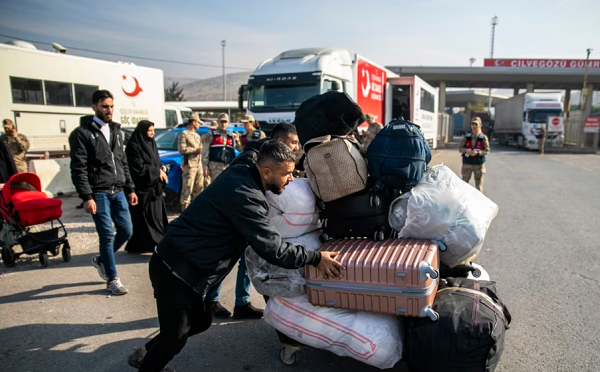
x=174 y=93
x=476 y=106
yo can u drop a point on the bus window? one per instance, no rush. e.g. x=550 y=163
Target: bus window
x=427 y=101
x=26 y=91
x=83 y=95
x=58 y=94
x=171 y=118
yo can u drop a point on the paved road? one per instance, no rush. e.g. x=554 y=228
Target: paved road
x=542 y=249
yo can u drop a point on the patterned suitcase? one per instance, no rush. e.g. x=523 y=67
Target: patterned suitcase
x=394 y=276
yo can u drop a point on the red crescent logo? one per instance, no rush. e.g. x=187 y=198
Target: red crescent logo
x=135 y=91
x=499 y=62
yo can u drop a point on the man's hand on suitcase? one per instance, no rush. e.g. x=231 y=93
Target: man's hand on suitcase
x=330 y=267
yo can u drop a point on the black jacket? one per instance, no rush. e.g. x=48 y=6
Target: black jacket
x=96 y=167
x=209 y=237
x=250 y=153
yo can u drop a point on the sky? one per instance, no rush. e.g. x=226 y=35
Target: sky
x=390 y=33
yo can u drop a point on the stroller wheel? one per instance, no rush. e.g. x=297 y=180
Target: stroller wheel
x=66 y=254
x=8 y=256
x=44 y=259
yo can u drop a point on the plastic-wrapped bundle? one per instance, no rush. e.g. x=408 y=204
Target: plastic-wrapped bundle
x=294 y=211
x=444 y=207
x=374 y=339
x=276 y=281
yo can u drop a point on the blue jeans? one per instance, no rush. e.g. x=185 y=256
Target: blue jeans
x=242 y=285
x=109 y=209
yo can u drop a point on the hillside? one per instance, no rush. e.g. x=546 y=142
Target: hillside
x=210 y=89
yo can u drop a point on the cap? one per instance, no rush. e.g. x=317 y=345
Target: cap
x=476 y=120
x=248 y=119
x=8 y=124
x=223 y=116
x=195 y=117
x=213 y=124
x=369 y=116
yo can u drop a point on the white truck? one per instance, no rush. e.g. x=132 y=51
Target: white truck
x=520 y=118
x=46 y=93
x=279 y=85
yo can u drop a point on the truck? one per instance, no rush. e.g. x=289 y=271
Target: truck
x=519 y=120
x=46 y=93
x=279 y=85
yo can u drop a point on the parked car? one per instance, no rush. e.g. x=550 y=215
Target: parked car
x=171 y=158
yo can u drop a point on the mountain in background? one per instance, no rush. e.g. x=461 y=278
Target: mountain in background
x=210 y=89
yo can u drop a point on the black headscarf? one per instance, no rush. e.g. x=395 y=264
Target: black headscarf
x=7 y=164
x=145 y=146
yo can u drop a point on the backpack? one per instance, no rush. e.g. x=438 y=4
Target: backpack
x=335 y=168
x=468 y=335
x=332 y=113
x=398 y=156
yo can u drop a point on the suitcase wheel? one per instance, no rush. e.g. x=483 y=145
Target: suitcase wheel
x=323 y=238
x=287 y=354
x=375 y=201
x=379 y=236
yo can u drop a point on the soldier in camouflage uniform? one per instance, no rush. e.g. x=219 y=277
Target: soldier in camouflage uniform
x=542 y=139
x=219 y=148
x=189 y=145
x=17 y=143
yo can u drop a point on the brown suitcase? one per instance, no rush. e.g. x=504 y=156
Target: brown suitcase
x=394 y=276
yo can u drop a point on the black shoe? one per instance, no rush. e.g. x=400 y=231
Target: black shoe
x=247 y=312
x=219 y=311
x=135 y=360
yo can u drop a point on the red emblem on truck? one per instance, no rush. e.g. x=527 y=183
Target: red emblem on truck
x=135 y=91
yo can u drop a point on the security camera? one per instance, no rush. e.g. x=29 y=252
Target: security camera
x=59 y=48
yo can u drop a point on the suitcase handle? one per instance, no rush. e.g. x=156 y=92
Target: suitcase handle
x=426 y=271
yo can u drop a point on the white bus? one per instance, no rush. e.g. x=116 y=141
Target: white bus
x=46 y=93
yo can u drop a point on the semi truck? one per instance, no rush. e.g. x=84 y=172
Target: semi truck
x=279 y=85
x=519 y=120
x=46 y=93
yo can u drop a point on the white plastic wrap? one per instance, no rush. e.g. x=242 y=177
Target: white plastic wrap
x=374 y=339
x=275 y=281
x=294 y=212
x=444 y=207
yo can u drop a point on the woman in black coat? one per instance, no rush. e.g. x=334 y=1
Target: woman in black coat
x=149 y=216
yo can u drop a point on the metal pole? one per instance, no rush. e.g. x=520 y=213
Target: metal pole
x=472 y=60
x=584 y=90
x=223 y=43
x=494 y=23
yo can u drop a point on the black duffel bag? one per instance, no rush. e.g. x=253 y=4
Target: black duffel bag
x=467 y=337
x=331 y=113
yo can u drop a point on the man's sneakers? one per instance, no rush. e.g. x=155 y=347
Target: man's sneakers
x=135 y=360
x=219 y=311
x=247 y=312
x=239 y=312
x=115 y=287
x=98 y=265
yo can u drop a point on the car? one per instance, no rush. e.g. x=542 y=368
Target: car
x=172 y=159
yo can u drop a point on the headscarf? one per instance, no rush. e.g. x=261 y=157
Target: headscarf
x=144 y=145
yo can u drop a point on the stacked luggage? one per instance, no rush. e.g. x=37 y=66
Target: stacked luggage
x=406 y=235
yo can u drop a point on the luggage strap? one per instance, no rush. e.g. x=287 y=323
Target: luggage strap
x=488 y=302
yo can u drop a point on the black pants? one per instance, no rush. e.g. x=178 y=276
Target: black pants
x=181 y=314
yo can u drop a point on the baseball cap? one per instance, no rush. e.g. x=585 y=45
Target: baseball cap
x=195 y=117
x=476 y=120
x=248 y=119
x=223 y=116
x=8 y=124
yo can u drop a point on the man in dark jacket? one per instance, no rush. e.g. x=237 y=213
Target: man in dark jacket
x=101 y=177
x=204 y=243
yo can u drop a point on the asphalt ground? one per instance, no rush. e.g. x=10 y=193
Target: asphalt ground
x=543 y=251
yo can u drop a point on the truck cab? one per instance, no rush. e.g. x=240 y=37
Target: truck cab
x=544 y=109
x=279 y=85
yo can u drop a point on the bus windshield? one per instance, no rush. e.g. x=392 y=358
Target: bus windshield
x=264 y=98
x=541 y=116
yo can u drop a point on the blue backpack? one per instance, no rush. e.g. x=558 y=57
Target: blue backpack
x=398 y=156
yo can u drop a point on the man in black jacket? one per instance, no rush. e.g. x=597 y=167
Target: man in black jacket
x=101 y=177
x=204 y=243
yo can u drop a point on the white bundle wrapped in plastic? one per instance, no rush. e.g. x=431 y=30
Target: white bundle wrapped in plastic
x=444 y=207
x=294 y=211
x=275 y=281
x=374 y=339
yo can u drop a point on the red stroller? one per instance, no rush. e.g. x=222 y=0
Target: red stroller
x=23 y=205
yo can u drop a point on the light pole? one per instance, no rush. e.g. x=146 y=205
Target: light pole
x=584 y=90
x=472 y=60
x=223 y=43
x=494 y=23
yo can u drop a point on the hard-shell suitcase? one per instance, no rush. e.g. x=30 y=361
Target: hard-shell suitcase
x=395 y=276
x=359 y=215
